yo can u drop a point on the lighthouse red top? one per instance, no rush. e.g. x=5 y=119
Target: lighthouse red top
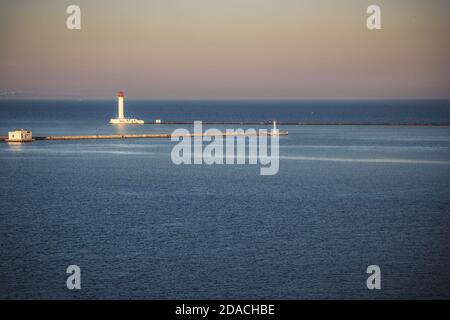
x=121 y=94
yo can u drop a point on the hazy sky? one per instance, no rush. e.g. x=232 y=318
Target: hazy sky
x=225 y=49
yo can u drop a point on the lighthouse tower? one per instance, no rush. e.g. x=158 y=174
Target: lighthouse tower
x=120 y=98
x=274 y=130
x=121 y=112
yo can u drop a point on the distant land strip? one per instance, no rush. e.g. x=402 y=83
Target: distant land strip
x=303 y=123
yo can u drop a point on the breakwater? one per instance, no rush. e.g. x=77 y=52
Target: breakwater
x=299 y=123
x=143 y=136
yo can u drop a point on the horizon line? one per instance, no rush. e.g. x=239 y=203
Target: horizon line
x=223 y=99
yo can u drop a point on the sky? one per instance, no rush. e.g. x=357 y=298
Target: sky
x=233 y=49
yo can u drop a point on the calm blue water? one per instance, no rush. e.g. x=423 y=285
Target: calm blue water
x=140 y=227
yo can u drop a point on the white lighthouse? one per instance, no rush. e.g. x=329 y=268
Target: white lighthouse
x=121 y=114
x=120 y=98
x=274 y=130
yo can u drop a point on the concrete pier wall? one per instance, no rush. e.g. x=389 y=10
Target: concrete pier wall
x=136 y=136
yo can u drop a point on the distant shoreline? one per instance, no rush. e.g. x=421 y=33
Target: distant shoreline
x=205 y=100
x=301 y=123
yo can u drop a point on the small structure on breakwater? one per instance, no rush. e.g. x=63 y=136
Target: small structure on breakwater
x=20 y=136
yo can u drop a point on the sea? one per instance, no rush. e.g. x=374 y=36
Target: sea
x=374 y=191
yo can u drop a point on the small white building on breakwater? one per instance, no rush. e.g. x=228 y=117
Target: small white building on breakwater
x=20 y=136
